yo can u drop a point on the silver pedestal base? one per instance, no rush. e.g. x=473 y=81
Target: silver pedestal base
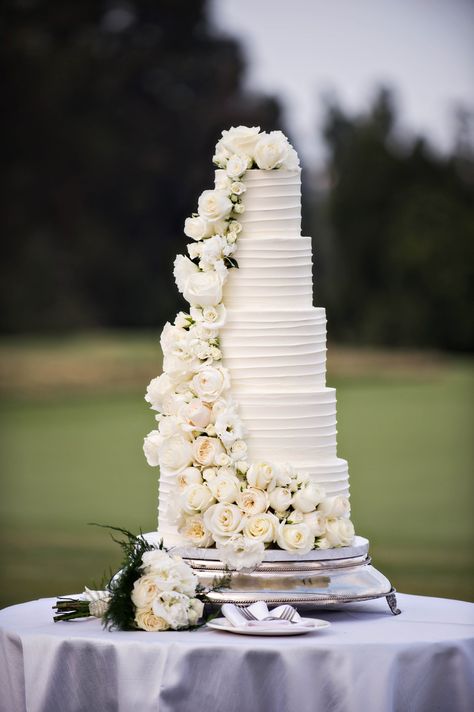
x=320 y=579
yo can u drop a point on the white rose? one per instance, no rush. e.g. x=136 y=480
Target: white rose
x=172 y=338
x=238 y=450
x=240 y=552
x=239 y=208
x=262 y=475
x=144 y=591
x=197 y=228
x=214 y=205
x=182 y=320
x=307 y=498
x=210 y=382
x=172 y=403
x=223 y=520
x=240 y=140
x=194 y=250
x=337 y=506
x=196 y=498
x=222 y=181
x=173 y=607
x=323 y=543
x=204 y=288
x=212 y=248
x=291 y=162
x=234 y=227
x=295 y=517
x=295 y=537
x=206 y=450
x=154 y=560
x=195 y=611
x=194 y=530
x=221 y=269
x=226 y=470
x=180 y=366
x=209 y=473
x=196 y=413
x=339 y=531
x=236 y=166
x=238 y=188
x=171 y=425
x=151 y=448
x=225 y=488
x=186 y=579
x=202 y=330
x=261 y=527
x=158 y=389
x=175 y=454
x=212 y=317
x=183 y=269
x=316 y=522
x=228 y=427
x=253 y=500
x=271 y=150
x=242 y=466
x=223 y=460
x=220 y=159
x=147 y=620
x=164 y=573
x=285 y=475
x=280 y=499
x=189 y=476
x=303 y=478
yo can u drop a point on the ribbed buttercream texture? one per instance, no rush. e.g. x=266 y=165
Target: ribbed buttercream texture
x=274 y=341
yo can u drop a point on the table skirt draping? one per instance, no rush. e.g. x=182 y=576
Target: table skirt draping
x=367 y=661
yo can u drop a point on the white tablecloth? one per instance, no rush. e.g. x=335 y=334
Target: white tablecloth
x=367 y=661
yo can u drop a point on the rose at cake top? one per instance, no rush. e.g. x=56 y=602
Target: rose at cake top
x=242 y=148
x=240 y=140
x=214 y=205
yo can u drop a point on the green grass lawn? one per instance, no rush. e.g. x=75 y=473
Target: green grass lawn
x=72 y=455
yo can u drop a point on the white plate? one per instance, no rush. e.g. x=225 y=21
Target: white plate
x=307 y=625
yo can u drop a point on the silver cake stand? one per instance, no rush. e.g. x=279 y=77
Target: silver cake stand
x=320 y=579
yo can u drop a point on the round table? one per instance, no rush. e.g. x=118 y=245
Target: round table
x=368 y=660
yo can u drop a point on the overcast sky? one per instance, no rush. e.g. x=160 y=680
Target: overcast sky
x=301 y=49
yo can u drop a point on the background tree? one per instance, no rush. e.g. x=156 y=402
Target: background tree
x=110 y=114
x=398 y=234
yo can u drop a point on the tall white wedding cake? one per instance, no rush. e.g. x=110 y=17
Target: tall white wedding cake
x=246 y=436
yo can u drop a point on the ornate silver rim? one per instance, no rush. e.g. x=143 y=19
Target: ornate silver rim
x=283 y=567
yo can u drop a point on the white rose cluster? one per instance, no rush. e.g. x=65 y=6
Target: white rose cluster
x=241 y=148
x=164 y=597
x=220 y=498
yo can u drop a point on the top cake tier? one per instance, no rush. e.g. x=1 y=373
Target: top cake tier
x=272 y=203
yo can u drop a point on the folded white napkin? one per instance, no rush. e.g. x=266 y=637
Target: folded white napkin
x=260 y=610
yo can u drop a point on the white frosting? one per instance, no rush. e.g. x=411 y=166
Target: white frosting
x=274 y=350
x=272 y=203
x=274 y=342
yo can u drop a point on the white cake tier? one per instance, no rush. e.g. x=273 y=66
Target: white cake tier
x=275 y=350
x=272 y=202
x=274 y=273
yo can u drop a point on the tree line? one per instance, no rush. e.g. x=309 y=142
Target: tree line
x=111 y=112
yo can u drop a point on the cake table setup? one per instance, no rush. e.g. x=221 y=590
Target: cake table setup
x=255 y=592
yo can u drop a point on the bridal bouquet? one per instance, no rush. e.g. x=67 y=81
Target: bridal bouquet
x=154 y=591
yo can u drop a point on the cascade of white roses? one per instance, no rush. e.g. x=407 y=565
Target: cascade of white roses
x=221 y=498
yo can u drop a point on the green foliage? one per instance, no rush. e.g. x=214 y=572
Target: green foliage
x=121 y=611
x=111 y=114
x=397 y=232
